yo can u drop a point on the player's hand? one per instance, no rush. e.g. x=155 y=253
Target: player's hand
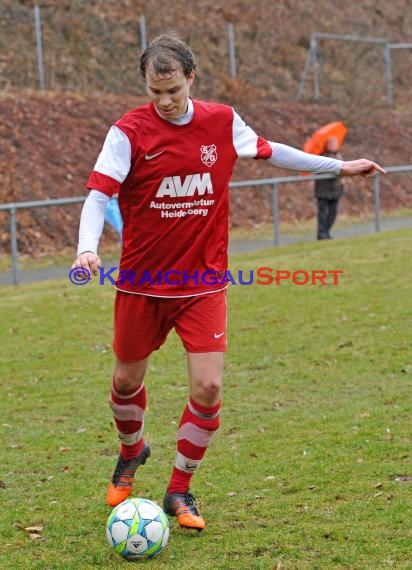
x=90 y=261
x=362 y=167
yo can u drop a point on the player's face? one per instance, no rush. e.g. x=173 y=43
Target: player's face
x=169 y=93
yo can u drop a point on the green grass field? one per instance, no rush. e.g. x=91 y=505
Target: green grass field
x=311 y=468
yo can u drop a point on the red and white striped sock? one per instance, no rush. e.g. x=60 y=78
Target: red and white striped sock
x=128 y=412
x=196 y=430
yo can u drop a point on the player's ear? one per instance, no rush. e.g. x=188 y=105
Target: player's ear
x=191 y=78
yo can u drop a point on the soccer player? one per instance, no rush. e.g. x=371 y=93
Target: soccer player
x=170 y=163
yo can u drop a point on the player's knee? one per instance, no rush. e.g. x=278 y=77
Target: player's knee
x=129 y=376
x=207 y=393
x=125 y=381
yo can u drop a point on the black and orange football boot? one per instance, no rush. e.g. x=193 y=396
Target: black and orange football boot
x=121 y=483
x=183 y=506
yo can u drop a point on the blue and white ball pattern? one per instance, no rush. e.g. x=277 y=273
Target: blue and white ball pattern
x=137 y=528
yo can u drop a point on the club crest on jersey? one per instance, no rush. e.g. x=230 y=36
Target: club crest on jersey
x=208 y=154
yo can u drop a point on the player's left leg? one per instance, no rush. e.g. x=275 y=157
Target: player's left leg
x=203 y=331
x=199 y=422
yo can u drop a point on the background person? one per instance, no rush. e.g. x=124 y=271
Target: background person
x=328 y=193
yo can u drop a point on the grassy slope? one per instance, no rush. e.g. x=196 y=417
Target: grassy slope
x=314 y=428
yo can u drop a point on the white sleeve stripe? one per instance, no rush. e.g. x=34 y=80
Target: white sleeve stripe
x=115 y=157
x=244 y=138
x=92 y=221
x=288 y=157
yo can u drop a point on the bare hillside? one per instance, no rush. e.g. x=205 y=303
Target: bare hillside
x=95 y=45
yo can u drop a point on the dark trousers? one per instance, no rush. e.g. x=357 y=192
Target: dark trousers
x=327 y=210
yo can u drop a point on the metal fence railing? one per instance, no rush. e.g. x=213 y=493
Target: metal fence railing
x=313 y=58
x=272 y=183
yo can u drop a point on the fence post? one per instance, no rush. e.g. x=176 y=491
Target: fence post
x=143 y=35
x=14 y=248
x=306 y=67
x=232 y=49
x=377 y=199
x=388 y=73
x=39 y=46
x=275 y=212
x=315 y=64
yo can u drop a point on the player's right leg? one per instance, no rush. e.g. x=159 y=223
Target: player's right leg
x=128 y=403
x=138 y=330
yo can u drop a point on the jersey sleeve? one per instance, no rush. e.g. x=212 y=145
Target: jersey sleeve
x=113 y=163
x=92 y=221
x=291 y=158
x=247 y=143
x=250 y=145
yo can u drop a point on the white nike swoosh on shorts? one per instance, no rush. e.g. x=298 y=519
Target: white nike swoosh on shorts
x=151 y=156
x=218 y=335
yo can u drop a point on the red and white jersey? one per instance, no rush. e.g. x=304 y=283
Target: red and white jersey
x=173 y=187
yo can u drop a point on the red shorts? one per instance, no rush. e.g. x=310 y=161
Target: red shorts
x=142 y=323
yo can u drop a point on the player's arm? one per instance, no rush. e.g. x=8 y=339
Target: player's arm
x=248 y=144
x=111 y=168
x=288 y=157
x=90 y=231
x=285 y=156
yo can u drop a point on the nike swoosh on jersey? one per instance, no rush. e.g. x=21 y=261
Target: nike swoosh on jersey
x=151 y=156
x=218 y=335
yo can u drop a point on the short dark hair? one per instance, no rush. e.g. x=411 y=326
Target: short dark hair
x=166 y=54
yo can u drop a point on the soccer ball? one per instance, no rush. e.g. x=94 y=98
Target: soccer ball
x=137 y=528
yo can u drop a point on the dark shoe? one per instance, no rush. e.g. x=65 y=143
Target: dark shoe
x=183 y=506
x=121 y=483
